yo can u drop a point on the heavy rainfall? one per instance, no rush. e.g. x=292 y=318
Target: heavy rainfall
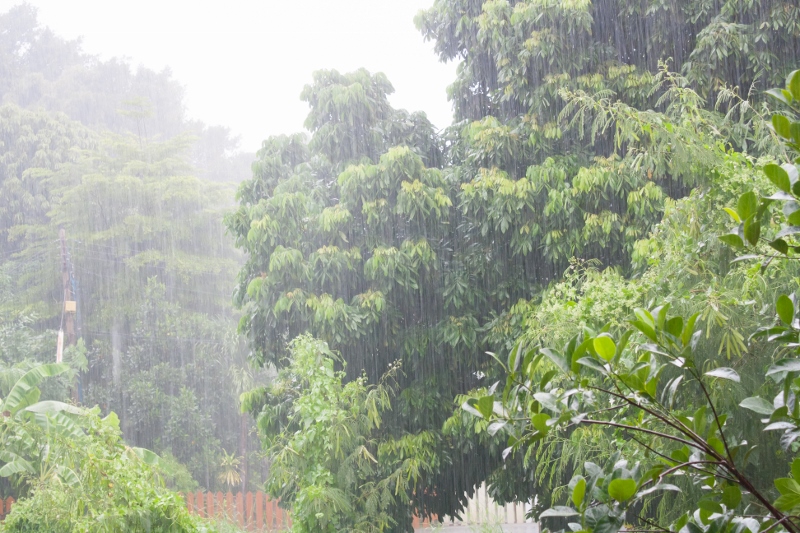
x=569 y=306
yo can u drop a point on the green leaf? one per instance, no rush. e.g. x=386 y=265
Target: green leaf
x=779 y=95
x=539 y=421
x=795 y=130
x=796 y=469
x=607 y=524
x=709 y=505
x=793 y=84
x=660 y=486
x=733 y=214
x=558 y=511
x=780 y=245
x=149 y=457
x=778 y=176
x=784 y=365
x=675 y=326
x=785 y=309
x=485 y=405
x=688 y=329
x=724 y=373
x=17 y=466
x=469 y=406
x=514 y=358
x=782 y=126
x=752 y=230
x=605 y=347
x=49 y=407
x=787 y=502
x=758 y=405
x=732 y=239
x=731 y=496
x=594 y=364
x=622 y=490
x=24 y=385
x=578 y=492
x=557 y=358
x=747 y=205
x=787 y=485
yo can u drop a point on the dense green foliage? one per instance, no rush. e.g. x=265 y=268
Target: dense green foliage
x=663 y=396
x=584 y=180
x=79 y=474
x=326 y=460
x=148 y=260
x=392 y=243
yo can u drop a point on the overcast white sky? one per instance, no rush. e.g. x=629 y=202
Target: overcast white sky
x=244 y=62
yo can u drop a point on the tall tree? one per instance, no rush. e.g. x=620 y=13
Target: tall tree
x=390 y=249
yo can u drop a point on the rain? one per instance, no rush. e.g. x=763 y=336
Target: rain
x=478 y=265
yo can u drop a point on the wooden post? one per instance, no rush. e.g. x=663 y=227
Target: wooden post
x=69 y=301
x=69 y=304
x=269 y=516
x=259 y=510
x=210 y=505
x=248 y=505
x=201 y=507
x=240 y=509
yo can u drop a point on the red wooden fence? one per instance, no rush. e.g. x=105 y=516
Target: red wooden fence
x=5 y=506
x=254 y=512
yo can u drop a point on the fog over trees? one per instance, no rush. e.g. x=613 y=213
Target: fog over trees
x=580 y=293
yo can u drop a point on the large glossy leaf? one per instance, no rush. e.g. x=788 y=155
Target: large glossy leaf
x=747 y=205
x=758 y=405
x=752 y=230
x=605 y=347
x=578 y=492
x=782 y=126
x=558 y=511
x=778 y=176
x=622 y=490
x=49 y=407
x=793 y=84
x=785 y=309
x=732 y=239
x=22 y=388
x=17 y=465
x=784 y=365
x=485 y=405
x=724 y=373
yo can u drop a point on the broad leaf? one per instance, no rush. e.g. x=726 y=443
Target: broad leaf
x=747 y=206
x=724 y=373
x=782 y=126
x=785 y=309
x=485 y=405
x=622 y=490
x=578 y=492
x=793 y=84
x=732 y=239
x=605 y=347
x=778 y=176
x=558 y=511
x=49 y=407
x=758 y=405
x=16 y=396
x=784 y=365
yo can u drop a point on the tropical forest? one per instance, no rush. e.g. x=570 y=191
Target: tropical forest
x=579 y=298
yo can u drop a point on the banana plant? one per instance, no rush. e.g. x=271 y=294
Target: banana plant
x=28 y=425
